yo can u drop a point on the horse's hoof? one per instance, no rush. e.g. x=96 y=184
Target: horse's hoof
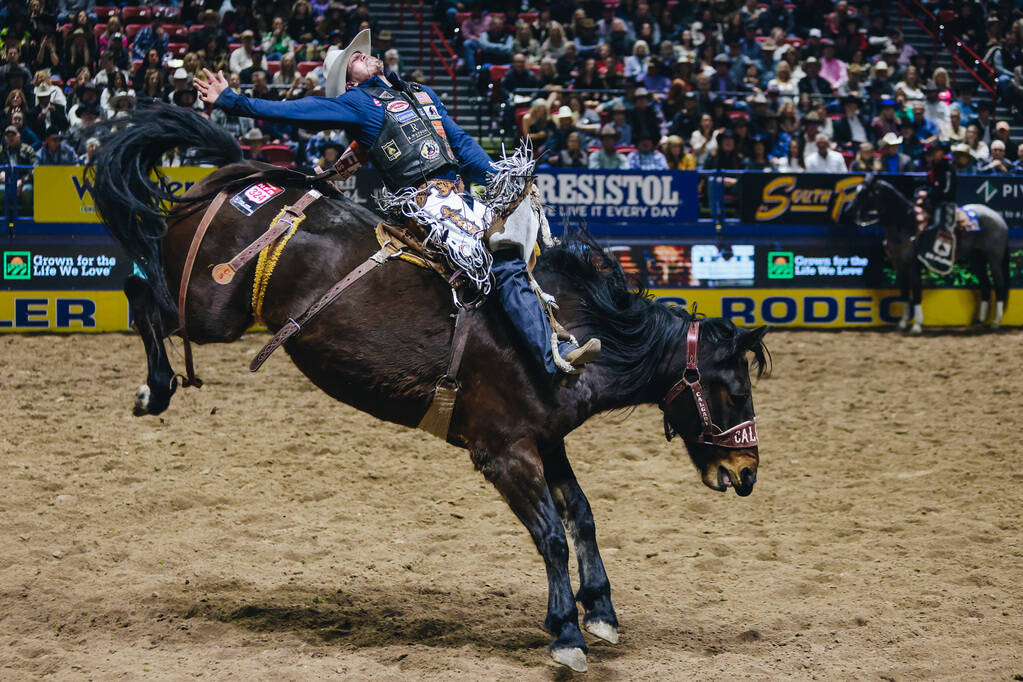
x=574 y=658
x=605 y=631
x=141 y=401
x=916 y=329
x=994 y=326
x=903 y=325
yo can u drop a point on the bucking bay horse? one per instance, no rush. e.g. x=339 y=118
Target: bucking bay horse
x=383 y=345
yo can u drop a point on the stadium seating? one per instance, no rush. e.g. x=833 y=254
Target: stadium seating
x=136 y=15
x=305 y=67
x=279 y=155
x=103 y=13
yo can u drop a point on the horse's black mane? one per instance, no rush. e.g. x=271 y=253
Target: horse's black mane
x=637 y=332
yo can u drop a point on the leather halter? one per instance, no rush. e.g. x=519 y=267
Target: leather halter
x=741 y=435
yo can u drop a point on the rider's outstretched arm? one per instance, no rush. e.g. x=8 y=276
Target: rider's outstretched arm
x=314 y=113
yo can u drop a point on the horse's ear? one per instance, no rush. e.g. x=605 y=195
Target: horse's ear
x=753 y=338
x=752 y=341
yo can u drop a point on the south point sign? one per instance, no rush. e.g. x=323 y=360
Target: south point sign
x=784 y=194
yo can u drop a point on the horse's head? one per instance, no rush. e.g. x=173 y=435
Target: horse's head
x=711 y=406
x=862 y=210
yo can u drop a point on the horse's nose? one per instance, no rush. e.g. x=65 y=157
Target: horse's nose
x=746 y=480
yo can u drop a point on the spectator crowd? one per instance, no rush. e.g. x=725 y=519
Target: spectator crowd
x=820 y=85
x=69 y=64
x=813 y=86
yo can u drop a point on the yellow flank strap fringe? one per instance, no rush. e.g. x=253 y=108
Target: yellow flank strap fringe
x=266 y=263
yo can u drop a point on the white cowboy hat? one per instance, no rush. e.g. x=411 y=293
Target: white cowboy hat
x=891 y=140
x=335 y=64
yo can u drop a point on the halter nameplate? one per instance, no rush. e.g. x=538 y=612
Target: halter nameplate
x=742 y=435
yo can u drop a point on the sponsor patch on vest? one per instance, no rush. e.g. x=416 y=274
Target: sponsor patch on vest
x=391 y=150
x=439 y=127
x=431 y=111
x=377 y=102
x=414 y=131
x=386 y=95
x=423 y=98
x=254 y=196
x=404 y=116
x=395 y=107
x=429 y=150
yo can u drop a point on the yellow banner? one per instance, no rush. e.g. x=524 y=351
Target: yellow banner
x=834 y=308
x=64 y=195
x=105 y=311
x=63 y=311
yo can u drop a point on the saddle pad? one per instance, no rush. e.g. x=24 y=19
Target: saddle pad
x=972 y=222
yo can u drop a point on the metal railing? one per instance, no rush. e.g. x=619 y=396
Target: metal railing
x=12 y=197
x=432 y=40
x=979 y=70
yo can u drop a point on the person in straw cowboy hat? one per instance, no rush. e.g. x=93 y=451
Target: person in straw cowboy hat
x=421 y=155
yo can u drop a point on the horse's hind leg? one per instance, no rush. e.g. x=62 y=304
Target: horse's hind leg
x=518 y=475
x=594 y=587
x=154 y=396
x=1000 y=271
x=979 y=266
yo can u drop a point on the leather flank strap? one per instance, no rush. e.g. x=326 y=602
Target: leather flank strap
x=186 y=275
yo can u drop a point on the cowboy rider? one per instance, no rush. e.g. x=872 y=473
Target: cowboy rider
x=410 y=139
x=941 y=192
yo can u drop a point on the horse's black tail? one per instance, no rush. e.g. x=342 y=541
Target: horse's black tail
x=134 y=207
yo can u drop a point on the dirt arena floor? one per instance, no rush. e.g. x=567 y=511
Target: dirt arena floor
x=260 y=531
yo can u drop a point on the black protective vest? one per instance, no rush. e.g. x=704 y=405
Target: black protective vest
x=412 y=146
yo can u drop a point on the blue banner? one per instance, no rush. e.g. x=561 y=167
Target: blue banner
x=1003 y=193
x=597 y=198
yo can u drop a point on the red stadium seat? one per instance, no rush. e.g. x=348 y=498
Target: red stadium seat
x=273 y=67
x=305 y=67
x=461 y=16
x=795 y=42
x=497 y=72
x=178 y=49
x=104 y=13
x=65 y=29
x=136 y=15
x=279 y=155
x=519 y=115
x=233 y=46
x=131 y=30
x=529 y=17
x=99 y=29
x=194 y=28
x=946 y=16
x=135 y=64
x=177 y=32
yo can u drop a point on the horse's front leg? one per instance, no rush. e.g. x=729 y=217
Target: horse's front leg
x=915 y=275
x=518 y=474
x=154 y=396
x=907 y=303
x=594 y=587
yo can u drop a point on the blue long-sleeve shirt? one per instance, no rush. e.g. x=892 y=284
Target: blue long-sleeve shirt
x=361 y=116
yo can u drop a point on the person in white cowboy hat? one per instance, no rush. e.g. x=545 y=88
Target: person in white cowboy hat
x=419 y=150
x=892 y=160
x=254 y=139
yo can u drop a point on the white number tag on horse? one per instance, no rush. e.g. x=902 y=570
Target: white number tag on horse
x=254 y=196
